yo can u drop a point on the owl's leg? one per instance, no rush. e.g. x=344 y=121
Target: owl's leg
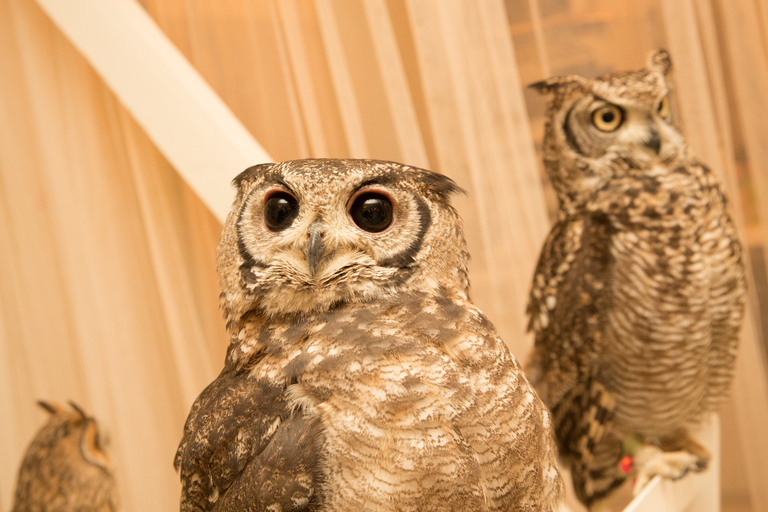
x=683 y=441
x=677 y=455
x=596 y=478
x=584 y=427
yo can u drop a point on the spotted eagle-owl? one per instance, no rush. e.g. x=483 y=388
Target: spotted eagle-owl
x=65 y=468
x=639 y=292
x=359 y=376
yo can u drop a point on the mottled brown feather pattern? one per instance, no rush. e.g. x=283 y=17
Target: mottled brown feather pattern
x=373 y=385
x=65 y=469
x=639 y=292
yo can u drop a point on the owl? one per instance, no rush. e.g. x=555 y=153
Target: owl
x=359 y=374
x=639 y=292
x=65 y=468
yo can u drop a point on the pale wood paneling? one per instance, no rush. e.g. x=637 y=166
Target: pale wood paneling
x=98 y=295
x=476 y=112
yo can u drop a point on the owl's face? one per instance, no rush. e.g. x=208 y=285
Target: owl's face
x=307 y=235
x=603 y=127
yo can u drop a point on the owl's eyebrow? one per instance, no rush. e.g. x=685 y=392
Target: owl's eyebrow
x=600 y=98
x=277 y=180
x=384 y=179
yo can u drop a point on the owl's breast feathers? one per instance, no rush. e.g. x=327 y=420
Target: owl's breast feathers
x=641 y=294
x=413 y=405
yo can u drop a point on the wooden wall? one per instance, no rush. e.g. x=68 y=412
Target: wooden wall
x=108 y=294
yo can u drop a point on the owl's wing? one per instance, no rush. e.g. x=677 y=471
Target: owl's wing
x=244 y=449
x=728 y=290
x=554 y=307
x=565 y=308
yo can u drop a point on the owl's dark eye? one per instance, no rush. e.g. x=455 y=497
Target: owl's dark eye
x=280 y=209
x=372 y=211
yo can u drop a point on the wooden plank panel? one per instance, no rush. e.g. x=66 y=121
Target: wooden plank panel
x=187 y=121
x=475 y=117
x=399 y=101
x=346 y=95
x=194 y=358
x=100 y=246
x=706 y=126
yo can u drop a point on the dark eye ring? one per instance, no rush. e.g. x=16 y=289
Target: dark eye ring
x=372 y=210
x=280 y=209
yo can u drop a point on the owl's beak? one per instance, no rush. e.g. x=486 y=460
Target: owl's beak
x=654 y=142
x=315 y=246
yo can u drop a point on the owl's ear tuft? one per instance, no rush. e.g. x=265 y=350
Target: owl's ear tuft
x=556 y=83
x=51 y=407
x=250 y=175
x=660 y=61
x=78 y=410
x=442 y=185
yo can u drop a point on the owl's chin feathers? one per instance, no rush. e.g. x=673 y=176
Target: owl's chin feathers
x=305 y=300
x=285 y=286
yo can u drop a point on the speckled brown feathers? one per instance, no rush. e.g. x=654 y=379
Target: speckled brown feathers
x=639 y=292
x=65 y=468
x=372 y=383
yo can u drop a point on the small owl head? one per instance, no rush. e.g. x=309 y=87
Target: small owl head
x=308 y=235
x=65 y=466
x=598 y=128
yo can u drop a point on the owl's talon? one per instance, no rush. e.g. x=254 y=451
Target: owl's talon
x=651 y=461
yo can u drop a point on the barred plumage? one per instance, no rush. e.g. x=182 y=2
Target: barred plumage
x=639 y=292
x=359 y=374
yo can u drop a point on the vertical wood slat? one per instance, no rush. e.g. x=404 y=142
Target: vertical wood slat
x=398 y=95
x=746 y=56
x=288 y=18
x=290 y=87
x=237 y=50
x=735 y=484
x=342 y=81
x=477 y=117
x=193 y=359
x=701 y=115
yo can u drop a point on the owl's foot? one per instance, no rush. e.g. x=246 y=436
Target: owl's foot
x=651 y=461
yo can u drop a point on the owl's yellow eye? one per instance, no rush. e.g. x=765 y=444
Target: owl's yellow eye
x=607 y=118
x=663 y=108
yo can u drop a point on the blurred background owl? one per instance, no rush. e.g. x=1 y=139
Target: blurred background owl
x=359 y=374
x=639 y=292
x=65 y=468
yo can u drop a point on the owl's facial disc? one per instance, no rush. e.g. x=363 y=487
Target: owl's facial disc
x=310 y=235
x=307 y=249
